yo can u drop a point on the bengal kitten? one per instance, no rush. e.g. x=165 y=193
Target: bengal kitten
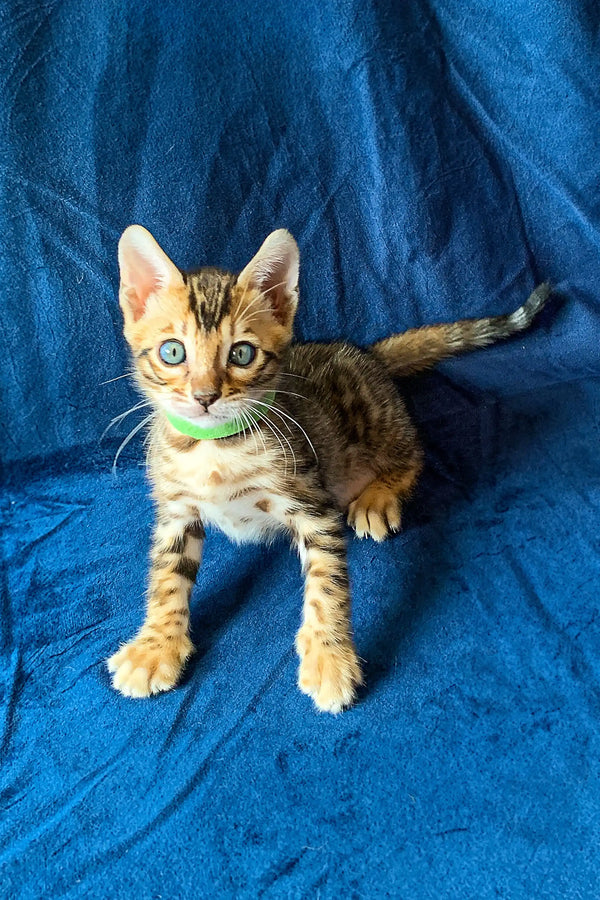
x=256 y=435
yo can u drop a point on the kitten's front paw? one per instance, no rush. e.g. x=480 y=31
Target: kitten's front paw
x=149 y=664
x=375 y=513
x=329 y=673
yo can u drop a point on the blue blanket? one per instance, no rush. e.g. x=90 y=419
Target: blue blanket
x=434 y=159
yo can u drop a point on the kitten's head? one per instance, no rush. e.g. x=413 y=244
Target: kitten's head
x=207 y=345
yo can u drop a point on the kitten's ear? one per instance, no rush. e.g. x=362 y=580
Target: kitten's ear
x=274 y=271
x=145 y=270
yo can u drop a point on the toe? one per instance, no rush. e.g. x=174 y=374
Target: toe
x=378 y=528
x=330 y=676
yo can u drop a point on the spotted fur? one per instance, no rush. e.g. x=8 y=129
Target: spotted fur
x=337 y=444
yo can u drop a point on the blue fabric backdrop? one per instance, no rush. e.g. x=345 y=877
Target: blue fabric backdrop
x=434 y=160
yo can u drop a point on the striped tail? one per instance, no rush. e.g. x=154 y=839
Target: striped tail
x=421 y=348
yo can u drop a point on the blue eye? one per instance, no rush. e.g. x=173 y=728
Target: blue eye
x=172 y=353
x=242 y=354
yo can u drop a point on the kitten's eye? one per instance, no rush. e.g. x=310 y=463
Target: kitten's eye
x=172 y=353
x=242 y=354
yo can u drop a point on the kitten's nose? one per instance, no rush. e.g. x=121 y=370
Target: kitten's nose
x=205 y=398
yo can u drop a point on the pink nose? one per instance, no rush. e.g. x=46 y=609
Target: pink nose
x=205 y=398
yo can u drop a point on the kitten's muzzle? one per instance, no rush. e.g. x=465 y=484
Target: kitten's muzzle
x=205 y=399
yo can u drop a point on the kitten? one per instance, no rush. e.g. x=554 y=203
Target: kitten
x=256 y=435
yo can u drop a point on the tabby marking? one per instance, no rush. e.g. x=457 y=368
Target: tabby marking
x=336 y=443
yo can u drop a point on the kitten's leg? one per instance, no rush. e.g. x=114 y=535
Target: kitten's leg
x=154 y=659
x=377 y=510
x=329 y=668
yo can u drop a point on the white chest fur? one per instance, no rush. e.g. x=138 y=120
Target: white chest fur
x=236 y=489
x=252 y=517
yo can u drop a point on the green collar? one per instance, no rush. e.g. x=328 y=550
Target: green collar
x=227 y=429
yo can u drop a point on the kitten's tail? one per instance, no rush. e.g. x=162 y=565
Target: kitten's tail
x=420 y=348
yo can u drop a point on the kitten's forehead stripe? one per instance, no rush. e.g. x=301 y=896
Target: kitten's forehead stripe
x=210 y=297
x=194 y=304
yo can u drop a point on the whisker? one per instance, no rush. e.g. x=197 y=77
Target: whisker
x=239 y=425
x=248 y=424
x=131 y=409
x=247 y=320
x=265 y=407
x=270 y=406
x=254 y=430
x=242 y=425
x=281 y=418
x=150 y=442
x=266 y=422
x=280 y=437
x=124 y=415
x=262 y=294
x=255 y=427
x=129 y=437
x=291 y=394
x=277 y=438
x=251 y=304
x=110 y=380
x=294 y=375
x=272 y=425
x=239 y=303
x=262 y=438
x=258 y=297
x=277 y=409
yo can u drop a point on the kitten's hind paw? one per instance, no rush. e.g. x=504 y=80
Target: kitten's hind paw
x=149 y=664
x=330 y=674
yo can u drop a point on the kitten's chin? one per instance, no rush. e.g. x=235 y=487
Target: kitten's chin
x=202 y=420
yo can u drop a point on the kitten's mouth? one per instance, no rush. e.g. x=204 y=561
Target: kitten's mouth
x=210 y=417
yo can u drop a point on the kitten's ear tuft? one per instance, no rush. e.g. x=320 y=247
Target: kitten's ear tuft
x=145 y=270
x=274 y=271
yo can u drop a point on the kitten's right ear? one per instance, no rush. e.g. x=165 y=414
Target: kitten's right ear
x=145 y=270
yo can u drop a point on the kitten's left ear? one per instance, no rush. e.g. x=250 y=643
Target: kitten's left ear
x=274 y=272
x=145 y=269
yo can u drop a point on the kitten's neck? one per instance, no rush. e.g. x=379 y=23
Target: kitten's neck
x=224 y=429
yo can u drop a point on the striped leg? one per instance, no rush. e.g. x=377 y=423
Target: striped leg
x=154 y=659
x=329 y=668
